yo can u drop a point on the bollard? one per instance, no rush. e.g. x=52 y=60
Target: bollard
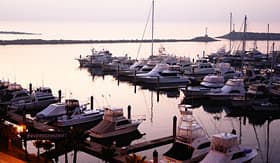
x=91 y=102
x=155 y=156
x=158 y=95
x=59 y=95
x=129 y=112
x=174 y=127
x=30 y=88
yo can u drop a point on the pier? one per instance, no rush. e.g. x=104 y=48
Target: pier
x=121 y=153
x=19 y=119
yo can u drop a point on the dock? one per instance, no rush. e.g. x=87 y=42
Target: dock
x=42 y=127
x=121 y=153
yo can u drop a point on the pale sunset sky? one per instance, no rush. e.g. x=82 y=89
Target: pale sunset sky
x=266 y=11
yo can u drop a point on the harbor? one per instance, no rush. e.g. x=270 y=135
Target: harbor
x=99 y=92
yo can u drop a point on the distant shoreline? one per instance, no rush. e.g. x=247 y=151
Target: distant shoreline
x=53 y=42
x=18 y=33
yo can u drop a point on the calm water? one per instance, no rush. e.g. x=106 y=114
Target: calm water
x=55 y=66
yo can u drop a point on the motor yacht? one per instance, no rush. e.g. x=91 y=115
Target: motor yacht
x=114 y=124
x=232 y=88
x=225 y=148
x=191 y=142
x=37 y=100
x=209 y=82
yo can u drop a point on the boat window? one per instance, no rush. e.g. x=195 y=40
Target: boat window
x=234 y=91
x=45 y=98
x=21 y=95
x=204 y=145
x=124 y=122
x=238 y=155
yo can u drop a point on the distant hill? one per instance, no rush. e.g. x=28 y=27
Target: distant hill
x=205 y=38
x=251 y=36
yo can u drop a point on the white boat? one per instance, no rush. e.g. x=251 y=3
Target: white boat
x=96 y=59
x=155 y=72
x=80 y=117
x=40 y=98
x=225 y=148
x=200 y=68
x=114 y=124
x=13 y=94
x=232 y=88
x=191 y=143
x=169 y=75
x=226 y=70
x=209 y=82
x=118 y=64
x=57 y=109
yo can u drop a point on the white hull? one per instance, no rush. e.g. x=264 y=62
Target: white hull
x=163 y=80
x=79 y=120
x=116 y=132
x=32 y=106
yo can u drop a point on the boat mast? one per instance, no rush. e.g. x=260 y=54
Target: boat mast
x=244 y=42
x=267 y=42
x=244 y=34
x=152 y=50
x=230 y=30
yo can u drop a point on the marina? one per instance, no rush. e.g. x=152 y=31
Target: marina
x=72 y=98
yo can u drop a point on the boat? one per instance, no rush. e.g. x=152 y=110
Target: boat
x=13 y=94
x=191 y=142
x=96 y=59
x=232 y=88
x=40 y=98
x=155 y=72
x=168 y=76
x=78 y=115
x=209 y=82
x=225 y=148
x=114 y=124
x=118 y=64
x=226 y=70
x=57 y=109
x=257 y=90
x=201 y=68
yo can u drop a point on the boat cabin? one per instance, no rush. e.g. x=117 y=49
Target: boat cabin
x=223 y=142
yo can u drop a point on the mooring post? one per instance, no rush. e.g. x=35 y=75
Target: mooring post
x=91 y=102
x=59 y=95
x=174 y=127
x=30 y=88
x=134 y=76
x=129 y=112
x=158 y=95
x=155 y=156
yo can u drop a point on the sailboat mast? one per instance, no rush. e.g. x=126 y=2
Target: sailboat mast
x=152 y=50
x=230 y=30
x=267 y=41
x=244 y=34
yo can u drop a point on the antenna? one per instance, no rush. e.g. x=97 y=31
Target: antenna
x=153 y=15
x=230 y=30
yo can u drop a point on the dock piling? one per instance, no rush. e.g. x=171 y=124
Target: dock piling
x=155 y=156
x=30 y=88
x=129 y=112
x=91 y=102
x=174 y=127
x=59 y=95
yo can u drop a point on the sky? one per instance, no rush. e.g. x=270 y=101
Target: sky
x=266 y=11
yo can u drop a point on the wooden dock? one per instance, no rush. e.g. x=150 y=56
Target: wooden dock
x=18 y=119
x=95 y=149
